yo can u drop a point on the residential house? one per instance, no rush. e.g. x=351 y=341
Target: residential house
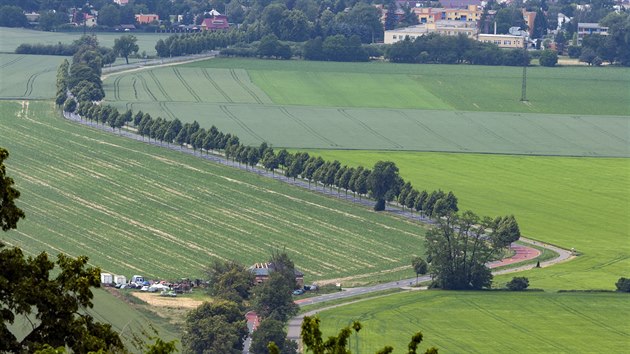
x=263 y=270
x=215 y=21
x=147 y=18
x=121 y=2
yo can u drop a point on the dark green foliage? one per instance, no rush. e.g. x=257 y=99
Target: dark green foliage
x=12 y=16
x=384 y=183
x=70 y=105
x=458 y=249
x=623 y=285
x=548 y=58
x=57 y=303
x=273 y=298
x=215 y=328
x=125 y=45
x=270 y=330
x=518 y=284
x=229 y=280
x=10 y=214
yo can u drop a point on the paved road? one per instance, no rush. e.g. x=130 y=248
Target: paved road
x=523 y=252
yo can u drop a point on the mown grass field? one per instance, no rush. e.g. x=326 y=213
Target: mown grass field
x=580 y=203
x=138 y=209
x=569 y=90
x=229 y=99
x=28 y=76
x=13 y=37
x=482 y=322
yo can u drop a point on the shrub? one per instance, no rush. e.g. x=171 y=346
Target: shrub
x=518 y=284
x=548 y=58
x=574 y=51
x=623 y=285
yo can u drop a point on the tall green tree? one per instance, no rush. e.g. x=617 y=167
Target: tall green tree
x=126 y=45
x=229 y=280
x=218 y=327
x=419 y=266
x=270 y=330
x=460 y=246
x=384 y=183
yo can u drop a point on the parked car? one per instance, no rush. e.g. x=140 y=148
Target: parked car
x=298 y=292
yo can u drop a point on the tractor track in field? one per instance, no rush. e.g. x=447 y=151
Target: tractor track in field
x=247 y=129
x=307 y=127
x=599 y=129
x=117 y=88
x=344 y=113
x=159 y=85
x=143 y=82
x=242 y=84
x=135 y=90
x=216 y=86
x=186 y=85
x=167 y=110
x=11 y=62
x=599 y=323
x=484 y=128
x=31 y=81
x=431 y=131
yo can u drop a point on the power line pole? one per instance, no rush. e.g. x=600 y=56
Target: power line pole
x=524 y=83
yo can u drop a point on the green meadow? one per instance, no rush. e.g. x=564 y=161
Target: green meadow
x=489 y=322
x=13 y=37
x=580 y=203
x=134 y=208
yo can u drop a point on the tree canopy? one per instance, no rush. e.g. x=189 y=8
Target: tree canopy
x=384 y=183
x=125 y=45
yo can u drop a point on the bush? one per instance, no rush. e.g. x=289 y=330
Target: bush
x=574 y=51
x=623 y=285
x=548 y=58
x=518 y=284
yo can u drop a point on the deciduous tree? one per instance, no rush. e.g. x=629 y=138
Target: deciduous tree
x=384 y=183
x=126 y=45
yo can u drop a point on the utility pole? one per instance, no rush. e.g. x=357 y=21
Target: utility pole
x=524 y=83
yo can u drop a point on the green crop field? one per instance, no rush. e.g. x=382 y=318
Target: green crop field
x=229 y=99
x=582 y=203
x=569 y=90
x=28 y=76
x=13 y=37
x=482 y=322
x=139 y=209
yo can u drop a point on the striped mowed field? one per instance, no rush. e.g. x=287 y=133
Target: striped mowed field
x=139 y=209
